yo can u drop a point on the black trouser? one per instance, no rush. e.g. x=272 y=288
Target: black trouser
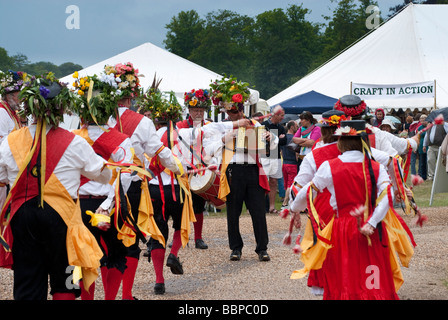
x=173 y=209
x=114 y=250
x=134 y=194
x=245 y=187
x=39 y=250
x=198 y=203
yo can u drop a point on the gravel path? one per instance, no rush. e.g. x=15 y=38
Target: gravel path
x=210 y=275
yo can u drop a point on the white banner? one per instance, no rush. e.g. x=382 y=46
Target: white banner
x=394 y=91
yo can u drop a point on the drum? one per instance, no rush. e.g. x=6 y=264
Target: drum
x=206 y=185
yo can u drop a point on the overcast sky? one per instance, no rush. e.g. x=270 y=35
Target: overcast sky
x=38 y=28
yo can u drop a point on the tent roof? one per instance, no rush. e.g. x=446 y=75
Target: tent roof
x=410 y=47
x=178 y=74
x=311 y=101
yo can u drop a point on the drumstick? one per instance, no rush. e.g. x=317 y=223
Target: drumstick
x=212 y=167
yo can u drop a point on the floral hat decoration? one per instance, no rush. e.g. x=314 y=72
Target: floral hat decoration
x=168 y=110
x=12 y=81
x=197 y=99
x=124 y=78
x=230 y=94
x=332 y=118
x=98 y=96
x=352 y=128
x=47 y=99
x=351 y=105
x=162 y=106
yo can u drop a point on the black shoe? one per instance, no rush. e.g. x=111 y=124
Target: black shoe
x=263 y=256
x=175 y=265
x=235 y=255
x=159 y=288
x=200 y=244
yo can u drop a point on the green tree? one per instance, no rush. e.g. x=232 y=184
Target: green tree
x=345 y=27
x=182 y=33
x=68 y=68
x=284 y=45
x=6 y=62
x=223 y=44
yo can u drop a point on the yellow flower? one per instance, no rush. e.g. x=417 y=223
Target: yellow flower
x=80 y=92
x=81 y=81
x=75 y=75
x=83 y=88
x=75 y=84
x=233 y=88
x=130 y=77
x=193 y=103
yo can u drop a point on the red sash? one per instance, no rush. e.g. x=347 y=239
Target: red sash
x=128 y=121
x=58 y=140
x=105 y=145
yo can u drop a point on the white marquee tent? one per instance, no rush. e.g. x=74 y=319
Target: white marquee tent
x=411 y=47
x=178 y=74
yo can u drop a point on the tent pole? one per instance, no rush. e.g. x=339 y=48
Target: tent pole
x=351 y=87
x=435 y=94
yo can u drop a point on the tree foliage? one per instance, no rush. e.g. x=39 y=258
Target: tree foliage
x=20 y=62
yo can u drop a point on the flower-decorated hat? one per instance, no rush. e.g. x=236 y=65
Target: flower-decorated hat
x=124 y=78
x=12 y=81
x=98 y=99
x=197 y=99
x=230 y=94
x=351 y=105
x=47 y=99
x=332 y=118
x=162 y=109
x=351 y=128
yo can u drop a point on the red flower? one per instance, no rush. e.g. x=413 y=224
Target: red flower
x=237 y=97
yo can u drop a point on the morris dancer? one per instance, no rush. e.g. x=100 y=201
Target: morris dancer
x=43 y=164
x=171 y=194
x=142 y=133
x=97 y=199
x=353 y=240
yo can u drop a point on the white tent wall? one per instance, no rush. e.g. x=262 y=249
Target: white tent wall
x=410 y=47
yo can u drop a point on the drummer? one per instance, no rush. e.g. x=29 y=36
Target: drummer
x=198 y=103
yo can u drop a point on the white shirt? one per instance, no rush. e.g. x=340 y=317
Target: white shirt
x=145 y=140
x=78 y=159
x=123 y=153
x=324 y=179
x=6 y=124
x=393 y=145
x=212 y=131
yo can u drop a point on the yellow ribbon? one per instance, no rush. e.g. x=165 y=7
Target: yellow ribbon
x=96 y=218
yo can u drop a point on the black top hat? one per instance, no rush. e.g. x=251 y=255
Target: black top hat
x=326 y=123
